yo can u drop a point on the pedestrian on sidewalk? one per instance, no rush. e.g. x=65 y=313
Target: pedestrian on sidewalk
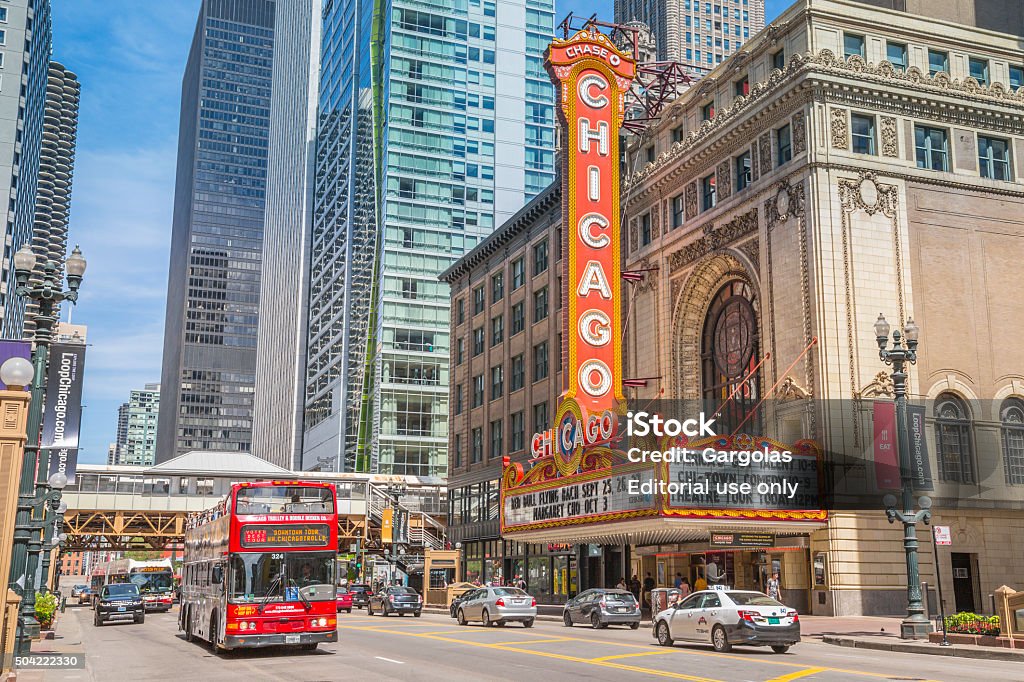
x=773 y=587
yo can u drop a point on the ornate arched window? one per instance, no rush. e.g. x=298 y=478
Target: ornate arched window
x=729 y=353
x=953 y=439
x=1011 y=416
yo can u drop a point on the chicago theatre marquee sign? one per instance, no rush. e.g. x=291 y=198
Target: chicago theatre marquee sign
x=573 y=480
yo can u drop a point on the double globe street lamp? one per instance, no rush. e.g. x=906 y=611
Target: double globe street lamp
x=903 y=351
x=43 y=287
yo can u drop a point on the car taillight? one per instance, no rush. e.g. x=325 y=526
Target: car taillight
x=794 y=615
x=500 y=602
x=533 y=602
x=747 y=615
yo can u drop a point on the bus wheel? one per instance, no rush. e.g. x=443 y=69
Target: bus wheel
x=189 y=635
x=213 y=635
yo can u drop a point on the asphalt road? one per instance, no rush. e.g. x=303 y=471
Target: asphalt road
x=434 y=647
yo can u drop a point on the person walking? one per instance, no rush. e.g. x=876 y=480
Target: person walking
x=773 y=586
x=684 y=588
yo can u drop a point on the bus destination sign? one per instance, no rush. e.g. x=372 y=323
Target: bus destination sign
x=314 y=535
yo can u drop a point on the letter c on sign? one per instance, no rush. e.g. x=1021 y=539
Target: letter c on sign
x=595 y=328
x=587 y=235
x=595 y=378
x=585 y=86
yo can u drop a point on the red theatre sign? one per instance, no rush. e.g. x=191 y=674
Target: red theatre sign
x=592 y=76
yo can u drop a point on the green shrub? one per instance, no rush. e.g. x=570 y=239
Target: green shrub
x=972 y=624
x=46 y=609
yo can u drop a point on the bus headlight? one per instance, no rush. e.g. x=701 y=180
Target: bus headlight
x=320 y=622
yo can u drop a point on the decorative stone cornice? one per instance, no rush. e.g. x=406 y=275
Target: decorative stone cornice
x=713 y=239
x=824 y=62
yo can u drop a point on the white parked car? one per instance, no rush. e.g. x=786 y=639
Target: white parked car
x=728 y=617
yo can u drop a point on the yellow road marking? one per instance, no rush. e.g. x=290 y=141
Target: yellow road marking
x=546 y=654
x=798 y=674
x=748 y=659
x=639 y=653
x=532 y=641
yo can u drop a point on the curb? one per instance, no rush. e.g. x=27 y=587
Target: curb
x=986 y=653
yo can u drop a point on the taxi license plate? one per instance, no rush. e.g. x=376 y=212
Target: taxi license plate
x=518 y=601
x=291 y=639
x=122 y=609
x=773 y=621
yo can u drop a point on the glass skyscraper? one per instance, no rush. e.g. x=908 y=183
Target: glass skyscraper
x=213 y=288
x=697 y=33
x=436 y=123
x=26 y=41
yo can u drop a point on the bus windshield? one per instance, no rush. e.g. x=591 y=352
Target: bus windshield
x=284 y=500
x=282 y=576
x=151 y=582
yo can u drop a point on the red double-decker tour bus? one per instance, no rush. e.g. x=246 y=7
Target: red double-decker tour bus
x=259 y=567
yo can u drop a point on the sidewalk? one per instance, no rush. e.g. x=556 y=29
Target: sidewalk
x=883 y=634
x=67 y=640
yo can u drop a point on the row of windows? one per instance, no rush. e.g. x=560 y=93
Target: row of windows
x=938 y=60
x=496 y=437
x=541 y=309
x=541 y=370
x=540 y=265
x=954 y=440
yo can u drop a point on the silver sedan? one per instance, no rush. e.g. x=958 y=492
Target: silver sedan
x=497 y=606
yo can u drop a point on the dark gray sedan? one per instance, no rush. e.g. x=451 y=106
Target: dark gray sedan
x=602 y=607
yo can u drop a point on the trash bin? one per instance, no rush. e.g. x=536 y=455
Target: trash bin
x=663 y=597
x=456 y=590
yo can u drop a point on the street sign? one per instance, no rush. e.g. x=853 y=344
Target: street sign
x=942 y=536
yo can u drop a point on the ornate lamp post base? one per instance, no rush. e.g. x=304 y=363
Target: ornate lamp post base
x=915 y=627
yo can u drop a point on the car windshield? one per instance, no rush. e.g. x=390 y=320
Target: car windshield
x=752 y=599
x=509 y=592
x=255 y=576
x=341 y=589
x=121 y=590
x=284 y=500
x=620 y=597
x=359 y=588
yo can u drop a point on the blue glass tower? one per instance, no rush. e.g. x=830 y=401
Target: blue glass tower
x=436 y=123
x=209 y=361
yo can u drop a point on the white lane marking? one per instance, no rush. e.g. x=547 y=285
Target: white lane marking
x=389 y=660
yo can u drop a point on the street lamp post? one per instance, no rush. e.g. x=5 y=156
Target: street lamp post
x=903 y=351
x=53 y=529
x=48 y=294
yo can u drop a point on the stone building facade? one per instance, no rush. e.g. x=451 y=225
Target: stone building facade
x=874 y=165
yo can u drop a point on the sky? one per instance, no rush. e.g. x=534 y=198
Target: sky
x=129 y=56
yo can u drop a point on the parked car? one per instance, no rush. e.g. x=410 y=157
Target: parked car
x=343 y=599
x=118 y=602
x=85 y=596
x=728 y=617
x=602 y=607
x=77 y=590
x=497 y=606
x=395 y=599
x=360 y=595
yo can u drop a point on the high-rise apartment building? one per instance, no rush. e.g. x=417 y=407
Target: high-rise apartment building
x=56 y=166
x=209 y=360
x=136 y=428
x=420 y=154
x=697 y=33
x=281 y=336
x=25 y=45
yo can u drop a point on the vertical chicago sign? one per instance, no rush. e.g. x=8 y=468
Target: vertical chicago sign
x=592 y=77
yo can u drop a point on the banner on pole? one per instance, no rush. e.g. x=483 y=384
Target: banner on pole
x=920 y=466
x=62 y=413
x=887 y=469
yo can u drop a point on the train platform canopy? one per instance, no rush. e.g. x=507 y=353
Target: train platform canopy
x=199 y=462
